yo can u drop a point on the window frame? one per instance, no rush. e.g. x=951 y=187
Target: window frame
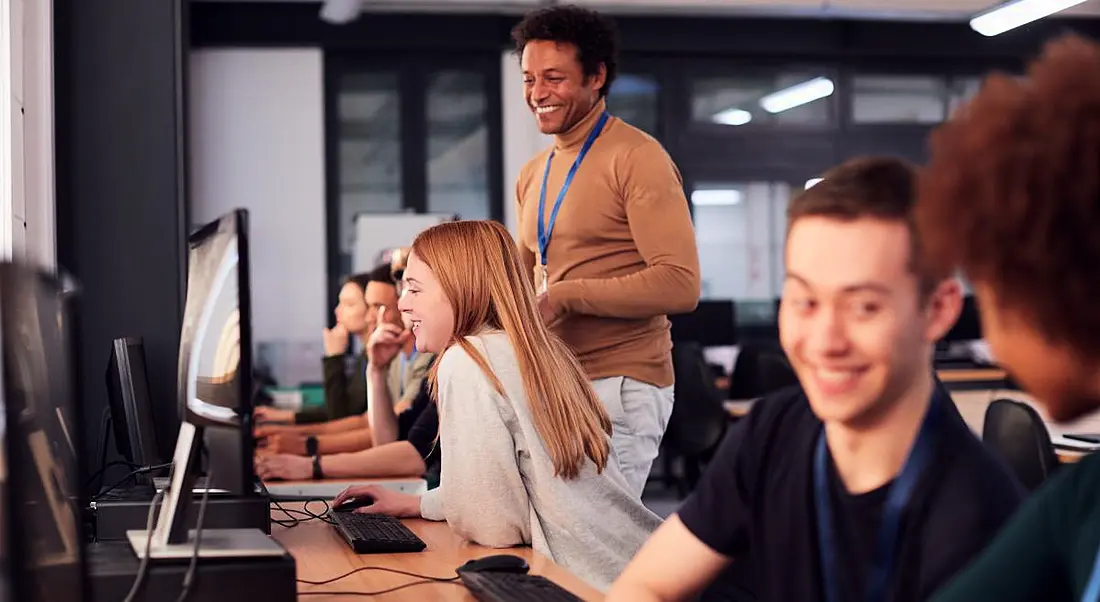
x=413 y=70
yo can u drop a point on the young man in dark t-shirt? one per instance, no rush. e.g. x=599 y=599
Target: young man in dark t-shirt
x=865 y=484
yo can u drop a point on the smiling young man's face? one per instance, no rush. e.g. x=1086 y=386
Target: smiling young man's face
x=555 y=87
x=852 y=320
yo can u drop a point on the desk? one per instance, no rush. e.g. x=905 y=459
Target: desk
x=320 y=553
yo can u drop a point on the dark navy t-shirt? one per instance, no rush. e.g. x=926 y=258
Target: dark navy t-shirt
x=755 y=504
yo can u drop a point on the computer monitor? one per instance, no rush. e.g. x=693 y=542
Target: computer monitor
x=41 y=534
x=969 y=325
x=215 y=396
x=130 y=404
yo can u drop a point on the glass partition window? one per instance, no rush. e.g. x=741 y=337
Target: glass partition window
x=899 y=99
x=369 y=107
x=739 y=230
x=458 y=138
x=803 y=98
x=634 y=99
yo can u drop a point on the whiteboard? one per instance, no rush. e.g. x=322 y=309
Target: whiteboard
x=376 y=233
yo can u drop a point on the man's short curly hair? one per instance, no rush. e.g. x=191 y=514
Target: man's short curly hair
x=1012 y=192
x=595 y=36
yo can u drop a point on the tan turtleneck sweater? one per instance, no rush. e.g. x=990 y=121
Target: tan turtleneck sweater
x=622 y=252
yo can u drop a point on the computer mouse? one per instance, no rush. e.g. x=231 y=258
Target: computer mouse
x=353 y=503
x=498 y=563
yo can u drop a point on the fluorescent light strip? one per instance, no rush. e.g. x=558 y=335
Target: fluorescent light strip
x=797 y=95
x=812 y=182
x=1014 y=14
x=716 y=198
x=733 y=116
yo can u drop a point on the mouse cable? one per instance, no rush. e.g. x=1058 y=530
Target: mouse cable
x=426 y=578
x=381 y=591
x=295 y=516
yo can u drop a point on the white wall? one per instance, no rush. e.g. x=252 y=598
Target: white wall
x=257 y=141
x=27 y=228
x=522 y=138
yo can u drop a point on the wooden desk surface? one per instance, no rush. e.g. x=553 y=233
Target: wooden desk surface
x=320 y=554
x=978 y=375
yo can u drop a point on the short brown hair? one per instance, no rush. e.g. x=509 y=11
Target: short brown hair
x=1012 y=192
x=882 y=188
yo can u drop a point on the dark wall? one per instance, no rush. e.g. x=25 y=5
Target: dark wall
x=121 y=202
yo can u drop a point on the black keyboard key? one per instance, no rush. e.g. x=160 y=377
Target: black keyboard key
x=489 y=586
x=375 y=533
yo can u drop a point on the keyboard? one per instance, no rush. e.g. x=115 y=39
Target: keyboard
x=492 y=586
x=375 y=533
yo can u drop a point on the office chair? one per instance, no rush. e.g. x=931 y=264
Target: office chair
x=698 y=419
x=760 y=369
x=1014 y=430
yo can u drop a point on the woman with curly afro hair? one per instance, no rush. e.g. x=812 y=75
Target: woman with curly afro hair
x=1011 y=196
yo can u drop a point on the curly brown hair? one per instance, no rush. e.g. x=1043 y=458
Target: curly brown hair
x=1011 y=193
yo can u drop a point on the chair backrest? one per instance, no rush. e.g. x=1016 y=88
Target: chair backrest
x=698 y=418
x=1015 y=431
x=760 y=369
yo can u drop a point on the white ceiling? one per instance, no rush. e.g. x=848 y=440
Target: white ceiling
x=886 y=9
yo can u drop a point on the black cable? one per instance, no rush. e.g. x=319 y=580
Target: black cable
x=99 y=473
x=189 y=578
x=144 y=567
x=379 y=592
x=132 y=474
x=379 y=568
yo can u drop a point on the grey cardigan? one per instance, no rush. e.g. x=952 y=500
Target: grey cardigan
x=497 y=484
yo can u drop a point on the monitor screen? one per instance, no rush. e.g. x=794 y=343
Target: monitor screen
x=130 y=404
x=42 y=475
x=215 y=368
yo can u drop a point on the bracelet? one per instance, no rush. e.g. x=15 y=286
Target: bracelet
x=311 y=445
x=318 y=474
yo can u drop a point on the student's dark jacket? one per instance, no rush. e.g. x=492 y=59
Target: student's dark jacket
x=345 y=394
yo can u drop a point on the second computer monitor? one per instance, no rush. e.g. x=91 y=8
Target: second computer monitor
x=131 y=406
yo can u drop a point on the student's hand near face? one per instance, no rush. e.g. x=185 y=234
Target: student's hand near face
x=335 y=340
x=270 y=414
x=385 y=342
x=284 y=467
x=386 y=501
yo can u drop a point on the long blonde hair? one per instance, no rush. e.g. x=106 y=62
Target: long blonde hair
x=479 y=270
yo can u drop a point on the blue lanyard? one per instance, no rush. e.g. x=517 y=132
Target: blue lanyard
x=546 y=231
x=896 y=500
x=1092 y=590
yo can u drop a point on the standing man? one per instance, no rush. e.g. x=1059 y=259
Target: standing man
x=604 y=228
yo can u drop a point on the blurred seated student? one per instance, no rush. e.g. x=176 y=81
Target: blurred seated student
x=345 y=395
x=528 y=457
x=865 y=483
x=417 y=453
x=394 y=373
x=1011 y=195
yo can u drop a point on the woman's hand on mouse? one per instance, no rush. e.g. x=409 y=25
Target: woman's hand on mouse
x=386 y=501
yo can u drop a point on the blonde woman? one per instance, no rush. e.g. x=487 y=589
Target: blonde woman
x=525 y=440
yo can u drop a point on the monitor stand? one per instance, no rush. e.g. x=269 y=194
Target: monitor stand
x=170 y=539
x=216 y=543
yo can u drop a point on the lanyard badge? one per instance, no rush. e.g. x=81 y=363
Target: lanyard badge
x=546 y=230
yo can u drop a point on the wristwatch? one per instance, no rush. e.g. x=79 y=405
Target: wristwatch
x=311 y=445
x=318 y=474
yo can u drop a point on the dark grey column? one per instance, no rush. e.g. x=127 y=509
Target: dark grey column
x=120 y=77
